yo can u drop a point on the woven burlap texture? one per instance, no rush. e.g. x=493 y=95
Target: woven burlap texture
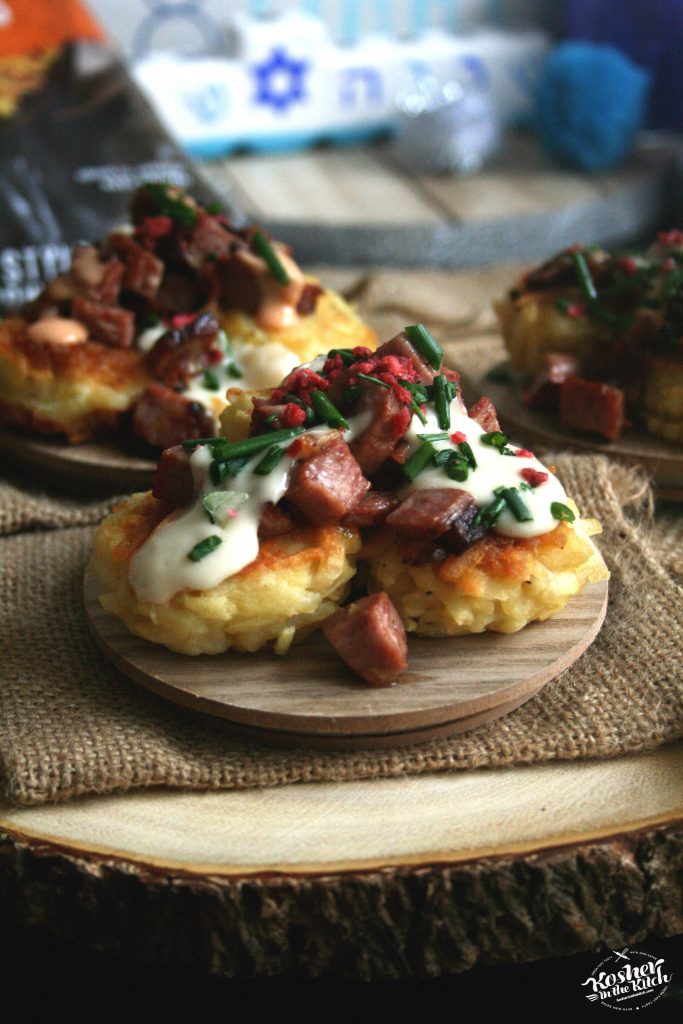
x=72 y=724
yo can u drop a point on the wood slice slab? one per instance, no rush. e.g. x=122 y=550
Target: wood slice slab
x=94 y=467
x=479 y=359
x=309 y=697
x=375 y=879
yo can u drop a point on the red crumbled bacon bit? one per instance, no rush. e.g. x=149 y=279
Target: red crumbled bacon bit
x=152 y=229
x=575 y=310
x=668 y=264
x=300 y=382
x=628 y=264
x=215 y=356
x=181 y=320
x=524 y=453
x=534 y=477
x=293 y=416
x=457 y=437
x=674 y=237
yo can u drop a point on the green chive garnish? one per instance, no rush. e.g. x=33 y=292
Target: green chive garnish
x=562 y=512
x=584 y=275
x=267 y=253
x=234 y=371
x=465 y=449
x=221 y=506
x=442 y=402
x=249 y=446
x=176 y=208
x=327 y=411
x=418 y=461
x=213 y=208
x=442 y=457
x=433 y=437
x=457 y=468
x=151 y=320
x=516 y=503
x=211 y=381
x=373 y=380
x=417 y=411
x=346 y=354
x=494 y=438
x=489 y=514
x=563 y=306
x=204 y=548
x=219 y=469
x=269 y=461
x=426 y=344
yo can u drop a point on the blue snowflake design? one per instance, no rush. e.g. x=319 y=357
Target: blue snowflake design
x=279 y=80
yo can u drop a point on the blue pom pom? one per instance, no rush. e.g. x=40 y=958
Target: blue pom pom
x=590 y=104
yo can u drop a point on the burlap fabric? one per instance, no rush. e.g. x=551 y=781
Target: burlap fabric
x=71 y=724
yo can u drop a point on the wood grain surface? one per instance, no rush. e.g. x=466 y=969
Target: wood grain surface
x=375 y=879
x=477 y=359
x=451 y=684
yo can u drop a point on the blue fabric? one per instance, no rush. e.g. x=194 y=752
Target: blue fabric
x=591 y=101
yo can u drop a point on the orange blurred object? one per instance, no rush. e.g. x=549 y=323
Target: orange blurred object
x=30 y=26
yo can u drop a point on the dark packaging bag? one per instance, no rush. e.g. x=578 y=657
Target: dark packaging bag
x=69 y=159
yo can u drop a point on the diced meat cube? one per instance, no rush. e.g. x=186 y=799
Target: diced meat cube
x=463 y=532
x=370 y=637
x=484 y=412
x=111 y=324
x=328 y=485
x=181 y=353
x=589 y=405
x=429 y=512
x=142 y=272
x=209 y=238
x=273 y=522
x=372 y=509
x=173 y=479
x=164 y=418
x=241 y=281
x=400 y=345
x=309 y=297
x=390 y=420
x=545 y=390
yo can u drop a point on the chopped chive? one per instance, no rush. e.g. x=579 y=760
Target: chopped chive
x=442 y=402
x=494 y=438
x=151 y=320
x=457 y=468
x=563 y=305
x=269 y=460
x=440 y=458
x=562 y=512
x=213 y=208
x=433 y=437
x=211 y=380
x=352 y=394
x=517 y=505
x=249 y=446
x=417 y=411
x=178 y=209
x=346 y=355
x=489 y=514
x=373 y=380
x=234 y=371
x=426 y=344
x=220 y=468
x=418 y=461
x=204 y=548
x=417 y=389
x=465 y=449
x=584 y=275
x=267 y=253
x=327 y=411
x=221 y=506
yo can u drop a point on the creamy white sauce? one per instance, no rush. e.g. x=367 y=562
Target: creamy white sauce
x=264 y=366
x=147 y=339
x=161 y=566
x=493 y=470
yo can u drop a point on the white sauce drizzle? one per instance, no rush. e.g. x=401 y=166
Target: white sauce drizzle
x=147 y=339
x=493 y=470
x=161 y=566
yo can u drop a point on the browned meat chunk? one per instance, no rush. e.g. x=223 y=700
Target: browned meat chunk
x=326 y=486
x=390 y=420
x=400 y=345
x=173 y=481
x=589 y=405
x=181 y=353
x=241 y=282
x=369 y=636
x=111 y=324
x=309 y=297
x=143 y=272
x=484 y=412
x=429 y=512
x=273 y=522
x=545 y=390
x=164 y=418
x=209 y=239
x=372 y=509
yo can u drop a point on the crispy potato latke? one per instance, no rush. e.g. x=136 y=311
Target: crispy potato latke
x=74 y=390
x=332 y=324
x=499 y=584
x=297 y=581
x=532 y=325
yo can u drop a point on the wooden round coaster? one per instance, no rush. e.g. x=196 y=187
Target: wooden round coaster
x=310 y=697
x=92 y=467
x=485 y=375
